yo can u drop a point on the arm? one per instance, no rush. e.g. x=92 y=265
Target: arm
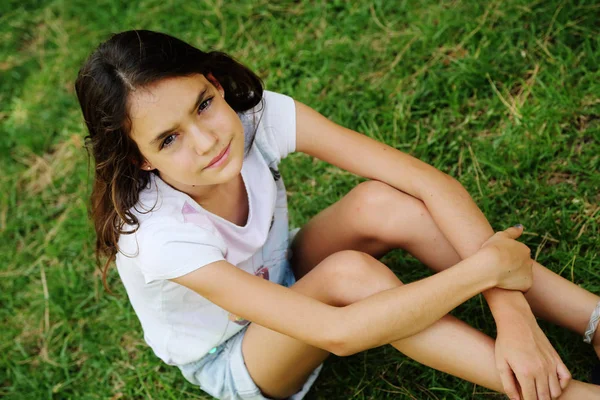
x=521 y=346
x=450 y=205
x=379 y=319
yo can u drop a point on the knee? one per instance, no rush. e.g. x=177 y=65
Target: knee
x=354 y=275
x=370 y=195
x=380 y=209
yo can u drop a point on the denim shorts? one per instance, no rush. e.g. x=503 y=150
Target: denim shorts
x=223 y=374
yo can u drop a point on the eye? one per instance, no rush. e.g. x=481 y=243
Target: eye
x=168 y=141
x=204 y=105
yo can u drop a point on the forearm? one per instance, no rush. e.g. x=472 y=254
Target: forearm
x=456 y=214
x=404 y=311
x=466 y=228
x=376 y=320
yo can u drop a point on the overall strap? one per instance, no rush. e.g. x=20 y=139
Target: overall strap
x=268 y=154
x=272 y=160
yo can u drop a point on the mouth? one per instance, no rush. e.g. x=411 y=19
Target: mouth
x=220 y=159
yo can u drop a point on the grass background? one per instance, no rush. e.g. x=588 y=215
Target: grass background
x=502 y=95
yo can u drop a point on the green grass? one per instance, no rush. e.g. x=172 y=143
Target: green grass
x=504 y=96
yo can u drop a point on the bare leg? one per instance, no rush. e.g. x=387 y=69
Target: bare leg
x=443 y=346
x=562 y=302
x=347 y=277
x=376 y=218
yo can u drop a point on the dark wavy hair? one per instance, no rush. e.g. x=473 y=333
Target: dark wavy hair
x=125 y=62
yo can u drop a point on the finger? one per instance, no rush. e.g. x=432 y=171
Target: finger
x=527 y=387
x=555 y=389
x=542 y=388
x=514 y=231
x=509 y=383
x=564 y=376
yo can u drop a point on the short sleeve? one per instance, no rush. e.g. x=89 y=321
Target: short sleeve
x=279 y=122
x=171 y=249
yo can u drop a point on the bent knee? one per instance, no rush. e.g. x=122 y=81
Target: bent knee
x=380 y=209
x=371 y=195
x=353 y=275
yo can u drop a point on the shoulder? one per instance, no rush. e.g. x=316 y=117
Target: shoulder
x=166 y=216
x=278 y=107
x=273 y=122
x=269 y=95
x=160 y=231
x=269 y=110
x=158 y=200
x=166 y=247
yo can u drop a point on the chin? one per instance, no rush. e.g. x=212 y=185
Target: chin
x=231 y=171
x=235 y=164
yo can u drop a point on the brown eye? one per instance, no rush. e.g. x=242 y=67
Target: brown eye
x=204 y=105
x=168 y=141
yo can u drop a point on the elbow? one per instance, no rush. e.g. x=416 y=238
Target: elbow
x=347 y=339
x=349 y=344
x=339 y=338
x=449 y=180
x=453 y=184
x=438 y=182
x=340 y=347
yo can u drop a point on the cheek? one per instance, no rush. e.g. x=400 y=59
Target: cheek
x=240 y=147
x=230 y=119
x=180 y=161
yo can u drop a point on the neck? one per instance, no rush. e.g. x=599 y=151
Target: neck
x=204 y=193
x=215 y=195
x=229 y=201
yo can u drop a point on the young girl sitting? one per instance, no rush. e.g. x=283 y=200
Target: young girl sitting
x=188 y=199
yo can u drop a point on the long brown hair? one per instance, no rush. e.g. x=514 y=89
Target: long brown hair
x=125 y=62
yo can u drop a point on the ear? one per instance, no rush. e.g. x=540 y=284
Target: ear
x=210 y=77
x=146 y=166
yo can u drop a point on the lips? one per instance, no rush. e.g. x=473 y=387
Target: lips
x=217 y=158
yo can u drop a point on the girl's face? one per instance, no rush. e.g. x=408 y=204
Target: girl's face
x=181 y=125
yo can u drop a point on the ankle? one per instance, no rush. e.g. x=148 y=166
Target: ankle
x=591 y=334
x=596 y=342
x=596 y=339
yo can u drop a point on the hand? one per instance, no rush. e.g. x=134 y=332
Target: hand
x=512 y=260
x=524 y=354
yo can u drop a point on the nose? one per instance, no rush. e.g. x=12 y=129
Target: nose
x=203 y=140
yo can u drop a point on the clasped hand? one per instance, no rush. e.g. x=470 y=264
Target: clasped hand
x=528 y=365
x=510 y=260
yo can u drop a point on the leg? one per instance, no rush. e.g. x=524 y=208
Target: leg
x=347 y=277
x=281 y=371
x=562 y=302
x=376 y=218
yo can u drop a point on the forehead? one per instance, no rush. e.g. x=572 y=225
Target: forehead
x=161 y=104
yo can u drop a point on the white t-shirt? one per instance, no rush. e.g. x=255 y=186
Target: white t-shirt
x=178 y=236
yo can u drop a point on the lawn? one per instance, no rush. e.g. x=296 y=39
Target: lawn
x=502 y=95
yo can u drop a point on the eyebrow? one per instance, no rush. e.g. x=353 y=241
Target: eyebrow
x=166 y=133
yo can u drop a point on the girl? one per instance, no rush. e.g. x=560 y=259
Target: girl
x=188 y=199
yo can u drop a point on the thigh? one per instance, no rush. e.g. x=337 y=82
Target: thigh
x=373 y=218
x=279 y=364
x=348 y=224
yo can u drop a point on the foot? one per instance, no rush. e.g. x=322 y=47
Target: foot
x=596 y=342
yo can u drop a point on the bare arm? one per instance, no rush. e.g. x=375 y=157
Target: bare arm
x=382 y=318
x=450 y=205
x=522 y=349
